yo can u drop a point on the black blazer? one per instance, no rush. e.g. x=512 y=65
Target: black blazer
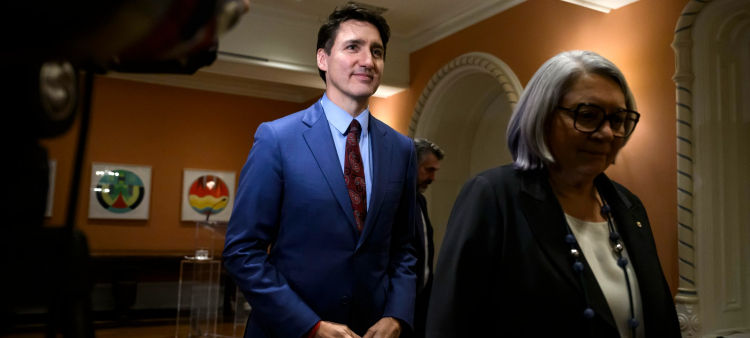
x=423 y=249
x=419 y=243
x=506 y=270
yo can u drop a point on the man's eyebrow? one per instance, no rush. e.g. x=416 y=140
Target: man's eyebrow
x=354 y=41
x=362 y=42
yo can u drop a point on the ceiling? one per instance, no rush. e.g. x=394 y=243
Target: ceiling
x=270 y=52
x=407 y=18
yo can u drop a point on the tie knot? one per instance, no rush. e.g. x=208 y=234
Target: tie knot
x=354 y=128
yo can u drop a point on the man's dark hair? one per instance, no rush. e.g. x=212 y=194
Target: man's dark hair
x=424 y=147
x=329 y=29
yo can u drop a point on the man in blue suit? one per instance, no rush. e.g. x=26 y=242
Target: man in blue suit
x=331 y=190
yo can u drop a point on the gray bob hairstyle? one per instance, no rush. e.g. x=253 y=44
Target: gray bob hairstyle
x=553 y=80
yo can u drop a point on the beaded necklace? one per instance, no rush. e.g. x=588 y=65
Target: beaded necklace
x=622 y=262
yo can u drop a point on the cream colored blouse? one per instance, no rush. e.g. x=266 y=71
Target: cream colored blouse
x=593 y=239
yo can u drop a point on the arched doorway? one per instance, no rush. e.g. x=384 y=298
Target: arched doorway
x=712 y=47
x=465 y=110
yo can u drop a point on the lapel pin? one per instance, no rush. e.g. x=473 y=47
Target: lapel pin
x=639 y=224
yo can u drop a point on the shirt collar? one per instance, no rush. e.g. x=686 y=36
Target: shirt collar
x=340 y=119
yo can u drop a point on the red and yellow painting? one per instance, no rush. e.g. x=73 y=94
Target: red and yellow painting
x=208 y=194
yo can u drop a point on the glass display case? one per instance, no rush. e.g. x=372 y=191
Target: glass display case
x=199 y=297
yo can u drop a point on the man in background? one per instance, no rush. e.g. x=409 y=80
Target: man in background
x=429 y=156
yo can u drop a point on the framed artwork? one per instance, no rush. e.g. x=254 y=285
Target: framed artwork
x=207 y=195
x=119 y=191
x=52 y=164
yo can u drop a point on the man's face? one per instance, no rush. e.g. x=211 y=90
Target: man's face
x=428 y=167
x=355 y=64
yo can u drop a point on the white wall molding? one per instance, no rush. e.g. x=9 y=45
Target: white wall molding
x=604 y=6
x=712 y=49
x=227 y=84
x=442 y=27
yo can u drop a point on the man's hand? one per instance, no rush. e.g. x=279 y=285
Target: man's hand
x=334 y=330
x=387 y=327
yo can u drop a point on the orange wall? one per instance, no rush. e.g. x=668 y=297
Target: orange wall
x=169 y=129
x=137 y=123
x=636 y=37
x=393 y=110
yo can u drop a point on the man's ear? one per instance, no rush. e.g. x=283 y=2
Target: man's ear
x=322 y=59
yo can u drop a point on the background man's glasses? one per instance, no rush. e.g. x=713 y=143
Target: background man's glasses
x=588 y=118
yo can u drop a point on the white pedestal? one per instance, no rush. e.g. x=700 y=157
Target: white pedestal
x=198 y=298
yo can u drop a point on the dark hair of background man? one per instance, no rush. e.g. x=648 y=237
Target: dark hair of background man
x=424 y=147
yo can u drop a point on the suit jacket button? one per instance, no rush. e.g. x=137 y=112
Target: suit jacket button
x=344 y=300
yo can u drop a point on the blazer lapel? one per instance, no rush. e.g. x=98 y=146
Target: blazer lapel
x=626 y=218
x=319 y=139
x=549 y=227
x=381 y=157
x=546 y=220
x=644 y=261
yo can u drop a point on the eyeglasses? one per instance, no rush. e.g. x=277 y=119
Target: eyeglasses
x=588 y=118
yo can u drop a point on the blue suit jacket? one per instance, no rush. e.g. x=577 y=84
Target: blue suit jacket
x=292 y=196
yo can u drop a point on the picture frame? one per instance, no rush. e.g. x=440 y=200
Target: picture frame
x=207 y=195
x=52 y=165
x=119 y=191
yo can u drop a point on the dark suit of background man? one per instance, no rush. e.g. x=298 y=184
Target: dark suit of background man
x=332 y=190
x=429 y=157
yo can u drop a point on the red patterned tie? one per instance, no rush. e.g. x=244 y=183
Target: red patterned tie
x=354 y=174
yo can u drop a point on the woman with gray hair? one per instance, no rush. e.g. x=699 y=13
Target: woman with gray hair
x=549 y=246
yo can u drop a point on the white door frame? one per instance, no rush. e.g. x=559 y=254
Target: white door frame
x=712 y=297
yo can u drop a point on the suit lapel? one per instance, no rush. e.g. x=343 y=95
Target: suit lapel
x=419 y=245
x=381 y=163
x=429 y=246
x=549 y=228
x=422 y=215
x=319 y=139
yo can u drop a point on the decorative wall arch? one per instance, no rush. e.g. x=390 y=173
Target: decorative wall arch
x=464 y=109
x=476 y=61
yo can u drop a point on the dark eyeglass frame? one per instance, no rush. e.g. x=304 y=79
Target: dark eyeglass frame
x=607 y=117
